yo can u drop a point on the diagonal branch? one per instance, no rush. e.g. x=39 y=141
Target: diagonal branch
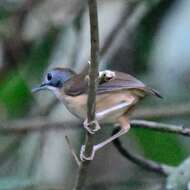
x=164 y=111
x=140 y=161
x=162 y=127
x=91 y=103
x=72 y=151
x=130 y=8
x=40 y=124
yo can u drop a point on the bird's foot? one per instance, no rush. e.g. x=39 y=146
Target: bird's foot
x=82 y=154
x=89 y=129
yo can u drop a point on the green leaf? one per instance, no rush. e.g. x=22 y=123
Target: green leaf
x=160 y=146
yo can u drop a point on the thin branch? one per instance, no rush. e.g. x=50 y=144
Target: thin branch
x=128 y=11
x=125 y=26
x=129 y=21
x=162 y=127
x=36 y=124
x=72 y=151
x=39 y=124
x=144 y=163
x=139 y=10
x=177 y=110
x=14 y=45
x=91 y=102
x=111 y=38
x=164 y=111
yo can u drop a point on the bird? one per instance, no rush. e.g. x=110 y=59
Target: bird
x=117 y=94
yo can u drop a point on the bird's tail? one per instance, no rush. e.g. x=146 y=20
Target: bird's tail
x=154 y=92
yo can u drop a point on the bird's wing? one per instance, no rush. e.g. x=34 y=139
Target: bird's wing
x=119 y=81
x=122 y=81
x=76 y=86
x=109 y=81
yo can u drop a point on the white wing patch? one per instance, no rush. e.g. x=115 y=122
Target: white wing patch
x=107 y=73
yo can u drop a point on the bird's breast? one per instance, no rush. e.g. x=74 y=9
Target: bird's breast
x=77 y=105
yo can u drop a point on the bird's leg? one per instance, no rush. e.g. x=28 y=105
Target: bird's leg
x=91 y=131
x=104 y=113
x=101 y=115
x=125 y=126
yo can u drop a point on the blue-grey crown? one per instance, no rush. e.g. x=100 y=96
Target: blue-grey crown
x=58 y=76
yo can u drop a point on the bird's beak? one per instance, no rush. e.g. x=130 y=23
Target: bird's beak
x=43 y=86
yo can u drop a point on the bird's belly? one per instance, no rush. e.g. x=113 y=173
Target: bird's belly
x=77 y=105
x=108 y=101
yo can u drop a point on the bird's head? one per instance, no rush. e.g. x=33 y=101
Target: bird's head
x=55 y=79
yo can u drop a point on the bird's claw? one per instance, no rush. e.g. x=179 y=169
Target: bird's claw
x=91 y=131
x=83 y=157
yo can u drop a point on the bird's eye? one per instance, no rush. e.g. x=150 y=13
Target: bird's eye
x=49 y=76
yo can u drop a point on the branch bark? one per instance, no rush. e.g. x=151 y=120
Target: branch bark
x=140 y=161
x=40 y=124
x=162 y=127
x=180 y=178
x=136 y=12
x=164 y=111
x=91 y=102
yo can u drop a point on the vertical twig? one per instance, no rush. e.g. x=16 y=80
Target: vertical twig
x=91 y=105
x=72 y=151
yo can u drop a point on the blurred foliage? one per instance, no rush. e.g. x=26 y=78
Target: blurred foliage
x=14 y=183
x=156 y=146
x=16 y=100
x=163 y=148
x=39 y=56
x=3 y=14
x=15 y=94
x=146 y=33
